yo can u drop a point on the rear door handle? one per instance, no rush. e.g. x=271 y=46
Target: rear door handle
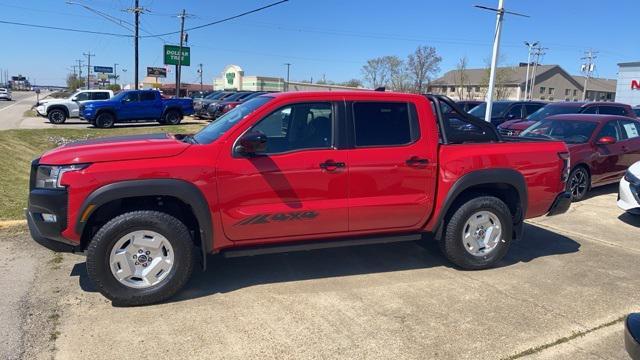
x=417 y=161
x=331 y=165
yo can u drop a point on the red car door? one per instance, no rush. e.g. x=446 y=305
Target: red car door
x=297 y=186
x=392 y=166
x=631 y=141
x=608 y=162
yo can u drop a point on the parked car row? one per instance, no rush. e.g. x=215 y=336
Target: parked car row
x=217 y=103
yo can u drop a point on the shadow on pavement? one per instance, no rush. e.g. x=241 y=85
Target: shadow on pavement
x=230 y=274
x=633 y=220
x=602 y=190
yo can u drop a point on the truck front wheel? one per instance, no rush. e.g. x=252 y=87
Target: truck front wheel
x=105 y=120
x=478 y=234
x=140 y=258
x=57 y=116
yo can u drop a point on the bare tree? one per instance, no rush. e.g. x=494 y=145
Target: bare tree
x=399 y=76
x=423 y=65
x=352 y=83
x=376 y=72
x=462 y=79
x=504 y=77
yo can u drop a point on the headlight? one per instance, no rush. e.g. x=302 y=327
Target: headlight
x=631 y=178
x=48 y=177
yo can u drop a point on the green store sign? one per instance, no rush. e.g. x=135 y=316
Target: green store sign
x=172 y=55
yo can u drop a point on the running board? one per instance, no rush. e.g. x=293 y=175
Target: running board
x=316 y=245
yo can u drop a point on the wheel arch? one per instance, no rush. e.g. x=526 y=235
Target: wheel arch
x=172 y=108
x=58 y=107
x=506 y=184
x=140 y=192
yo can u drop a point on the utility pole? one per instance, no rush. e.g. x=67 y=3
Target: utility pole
x=182 y=16
x=200 y=72
x=526 y=82
x=115 y=73
x=88 y=55
x=79 y=68
x=136 y=10
x=288 y=65
x=495 y=53
x=588 y=67
x=538 y=52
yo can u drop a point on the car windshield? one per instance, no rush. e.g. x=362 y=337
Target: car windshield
x=552 y=109
x=215 y=95
x=569 y=131
x=214 y=130
x=497 y=109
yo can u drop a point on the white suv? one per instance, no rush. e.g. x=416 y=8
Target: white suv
x=629 y=195
x=5 y=94
x=58 y=110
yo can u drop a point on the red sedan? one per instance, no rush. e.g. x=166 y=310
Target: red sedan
x=602 y=147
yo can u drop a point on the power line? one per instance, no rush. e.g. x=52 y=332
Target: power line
x=223 y=20
x=64 y=29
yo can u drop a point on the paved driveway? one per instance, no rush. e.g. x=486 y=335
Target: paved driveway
x=560 y=293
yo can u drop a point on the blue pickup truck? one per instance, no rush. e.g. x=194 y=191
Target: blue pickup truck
x=134 y=106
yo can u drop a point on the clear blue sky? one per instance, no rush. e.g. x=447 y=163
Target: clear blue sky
x=332 y=37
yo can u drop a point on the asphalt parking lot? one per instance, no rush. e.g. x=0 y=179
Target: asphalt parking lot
x=560 y=293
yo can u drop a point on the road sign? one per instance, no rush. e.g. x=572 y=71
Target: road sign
x=172 y=53
x=156 y=72
x=103 y=69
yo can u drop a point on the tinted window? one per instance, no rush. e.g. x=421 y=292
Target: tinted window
x=497 y=109
x=298 y=126
x=569 y=131
x=217 y=128
x=531 y=108
x=147 y=96
x=83 y=96
x=515 y=112
x=552 y=109
x=101 y=95
x=630 y=129
x=383 y=124
x=130 y=97
x=612 y=110
x=610 y=129
x=590 y=110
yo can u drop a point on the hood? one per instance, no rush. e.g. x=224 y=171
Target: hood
x=130 y=147
x=519 y=124
x=53 y=101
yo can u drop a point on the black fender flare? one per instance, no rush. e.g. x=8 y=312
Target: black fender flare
x=180 y=189
x=58 y=107
x=487 y=177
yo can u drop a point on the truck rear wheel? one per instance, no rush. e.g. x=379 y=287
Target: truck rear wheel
x=172 y=117
x=140 y=258
x=105 y=120
x=57 y=116
x=478 y=234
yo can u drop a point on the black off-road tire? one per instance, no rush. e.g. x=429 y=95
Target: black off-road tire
x=99 y=250
x=57 y=116
x=105 y=120
x=171 y=117
x=452 y=245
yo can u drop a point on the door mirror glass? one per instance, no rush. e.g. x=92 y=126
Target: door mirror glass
x=606 y=140
x=251 y=143
x=75 y=98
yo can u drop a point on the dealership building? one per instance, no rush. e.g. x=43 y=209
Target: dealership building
x=628 y=87
x=232 y=77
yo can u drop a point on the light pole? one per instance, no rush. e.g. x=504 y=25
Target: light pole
x=526 y=82
x=288 y=65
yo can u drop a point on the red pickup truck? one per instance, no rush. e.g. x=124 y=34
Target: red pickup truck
x=287 y=172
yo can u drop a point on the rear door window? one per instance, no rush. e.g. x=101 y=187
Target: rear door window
x=384 y=124
x=100 y=95
x=147 y=96
x=515 y=112
x=612 y=110
x=630 y=129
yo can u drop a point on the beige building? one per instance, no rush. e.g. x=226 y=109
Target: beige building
x=552 y=83
x=233 y=78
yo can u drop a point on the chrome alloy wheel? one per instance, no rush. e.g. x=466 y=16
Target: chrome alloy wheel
x=578 y=184
x=141 y=259
x=481 y=233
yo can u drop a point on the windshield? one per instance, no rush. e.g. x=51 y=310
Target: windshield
x=215 y=95
x=569 y=131
x=546 y=111
x=214 y=130
x=497 y=109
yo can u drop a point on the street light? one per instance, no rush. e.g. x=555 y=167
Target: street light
x=526 y=83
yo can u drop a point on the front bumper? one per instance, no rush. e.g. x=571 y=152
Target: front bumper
x=41 y=110
x=629 y=197
x=561 y=204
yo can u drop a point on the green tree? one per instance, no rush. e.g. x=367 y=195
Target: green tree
x=74 y=82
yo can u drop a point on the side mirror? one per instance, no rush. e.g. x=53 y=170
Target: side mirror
x=75 y=98
x=251 y=143
x=511 y=117
x=606 y=140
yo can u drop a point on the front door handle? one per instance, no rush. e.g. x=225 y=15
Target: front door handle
x=417 y=161
x=331 y=165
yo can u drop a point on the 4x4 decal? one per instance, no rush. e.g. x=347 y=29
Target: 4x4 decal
x=279 y=217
